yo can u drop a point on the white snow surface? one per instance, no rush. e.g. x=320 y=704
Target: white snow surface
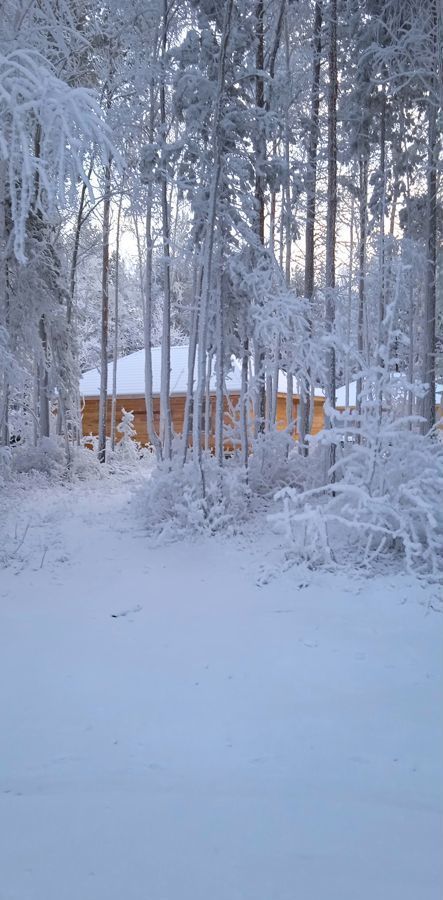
x=131 y=375
x=176 y=724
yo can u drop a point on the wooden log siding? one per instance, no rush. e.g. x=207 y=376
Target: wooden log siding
x=136 y=405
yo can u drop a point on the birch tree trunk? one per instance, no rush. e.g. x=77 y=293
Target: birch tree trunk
x=76 y=411
x=43 y=396
x=105 y=316
x=382 y=292
x=431 y=239
x=332 y=212
x=244 y=405
x=76 y=248
x=287 y=233
x=165 y=388
x=220 y=355
x=275 y=375
x=260 y=159
x=208 y=403
x=116 y=323
x=209 y=239
x=349 y=310
x=4 y=305
x=363 y=224
x=192 y=354
x=311 y=194
x=147 y=306
x=382 y=353
x=411 y=310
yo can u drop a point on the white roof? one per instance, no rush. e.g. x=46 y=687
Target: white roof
x=341 y=393
x=131 y=375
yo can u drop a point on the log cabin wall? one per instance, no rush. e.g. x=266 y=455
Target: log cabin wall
x=136 y=405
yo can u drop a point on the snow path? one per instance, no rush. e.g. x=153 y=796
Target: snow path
x=170 y=730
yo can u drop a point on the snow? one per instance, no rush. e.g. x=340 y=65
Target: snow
x=131 y=375
x=186 y=722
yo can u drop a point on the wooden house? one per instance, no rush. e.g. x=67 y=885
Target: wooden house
x=131 y=394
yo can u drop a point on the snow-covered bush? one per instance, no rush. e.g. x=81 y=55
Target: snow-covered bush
x=190 y=499
x=275 y=461
x=183 y=499
x=270 y=462
x=52 y=459
x=47 y=457
x=84 y=464
x=387 y=498
x=128 y=454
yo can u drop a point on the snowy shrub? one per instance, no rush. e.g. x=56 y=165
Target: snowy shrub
x=192 y=499
x=84 y=463
x=183 y=499
x=387 y=498
x=275 y=461
x=47 y=457
x=128 y=456
x=270 y=462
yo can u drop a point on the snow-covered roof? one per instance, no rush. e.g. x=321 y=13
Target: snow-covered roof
x=131 y=375
x=341 y=393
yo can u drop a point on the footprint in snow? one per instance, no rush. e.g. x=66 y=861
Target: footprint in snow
x=126 y=612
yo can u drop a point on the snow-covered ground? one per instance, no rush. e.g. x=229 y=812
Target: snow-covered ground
x=174 y=725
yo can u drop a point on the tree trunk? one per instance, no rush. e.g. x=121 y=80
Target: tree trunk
x=290 y=402
x=4 y=305
x=105 y=316
x=288 y=234
x=382 y=350
x=220 y=356
x=260 y=159
x=332 y=213
x=363 y=217
x=147 y=306
x=165 y=389
x=431 y=242
x=43 y=396
x=275 y=375
x=207 y=416
x=311 y=192
x=75 y=252
x=116 y=324
x=209 y=239
x=192 y=354
x=349 y=310
x=244 y=405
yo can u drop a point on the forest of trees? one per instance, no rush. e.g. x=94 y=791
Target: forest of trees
x=258 y=178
